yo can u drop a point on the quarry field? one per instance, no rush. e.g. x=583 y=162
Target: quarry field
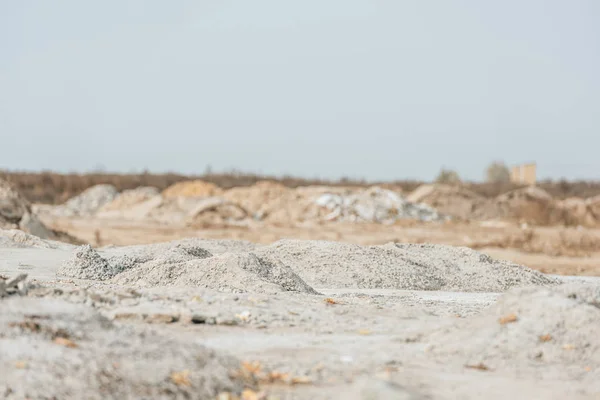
x=318 y=292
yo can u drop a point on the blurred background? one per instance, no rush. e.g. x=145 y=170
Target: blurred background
x=463 y=122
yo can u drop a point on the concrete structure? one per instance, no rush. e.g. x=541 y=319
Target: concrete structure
x=524 y=174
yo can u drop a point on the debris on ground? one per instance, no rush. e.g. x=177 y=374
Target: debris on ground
x=374 y=205
x=13 y=286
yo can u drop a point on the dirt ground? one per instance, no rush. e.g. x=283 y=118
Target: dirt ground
x=554 y=249
x=72 y=338
x=348 y=311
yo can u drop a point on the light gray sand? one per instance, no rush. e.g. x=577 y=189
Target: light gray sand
x=376 y=343
x=55 y=349
x=399 y=266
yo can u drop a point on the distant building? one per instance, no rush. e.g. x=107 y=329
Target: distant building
x=524 y=174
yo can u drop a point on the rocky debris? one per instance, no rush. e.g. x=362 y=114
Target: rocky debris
x=197 y=188
x=16 y=213
x=88 y=202
x=374 y=205
x=31 y=224
x=538 y=326
x=399 y=266
x=13 y=206
x=46 y=341
x=16 y=285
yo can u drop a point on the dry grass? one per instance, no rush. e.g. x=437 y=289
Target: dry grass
x=54 y=188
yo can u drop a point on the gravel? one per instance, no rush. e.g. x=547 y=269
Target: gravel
x=399 y=266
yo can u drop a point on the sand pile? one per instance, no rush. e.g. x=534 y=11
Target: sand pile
x=88 y=202
x=374 y=205
x=209 y=211
x=184 y=264
x=399 y=266
x=260 y=199
x=195 y=188
x=45 y=341
x=130 y=198
x=531 y=326
x=237 y=273
x=213 y=246
x=215 y=211
x=15 y=213
x=530 y=205
x=88 y=264
x=593 y=205
x=576 y=211
x=455 y=201
x=277 y=204
x=13 y=206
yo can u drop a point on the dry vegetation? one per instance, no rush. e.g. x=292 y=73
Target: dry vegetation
x=55 y=188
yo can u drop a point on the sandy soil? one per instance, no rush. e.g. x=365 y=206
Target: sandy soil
x=555 y=250
x=344 y=342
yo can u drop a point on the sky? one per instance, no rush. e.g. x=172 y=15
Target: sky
x=374 y=89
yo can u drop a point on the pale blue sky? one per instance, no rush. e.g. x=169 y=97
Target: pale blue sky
x=380 y=89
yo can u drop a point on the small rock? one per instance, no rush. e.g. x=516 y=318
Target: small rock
x=229 y=321
x=162 y=318
x=198 y=318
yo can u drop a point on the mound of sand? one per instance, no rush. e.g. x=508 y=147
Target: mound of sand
x=195 y=211
x=237 y=273
x=216 y=211
x=15 y=213
x=88 y=202
x=593 y=205
x=374 y=205
x=213 y=246
x=88 y=264
x=530 y=205
x=535 y=326
x=261 y=199
x=197 y=188
x=399 y=266
x=276 y=204
x=55 y=349
x=185 y=265
x=130 y=198
x=577 y=211
x=455 y=201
